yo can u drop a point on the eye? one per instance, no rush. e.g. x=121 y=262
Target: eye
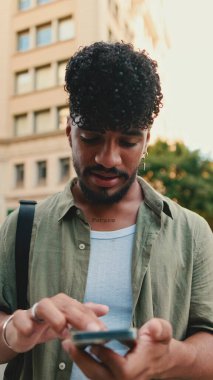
x=128 y=144
x=90 y=140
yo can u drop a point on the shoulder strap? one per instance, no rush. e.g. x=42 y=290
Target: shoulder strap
x=22 y=248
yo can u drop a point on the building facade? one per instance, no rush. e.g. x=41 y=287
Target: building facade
x=39 y=37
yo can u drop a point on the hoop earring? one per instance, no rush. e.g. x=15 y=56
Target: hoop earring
x=143 y=161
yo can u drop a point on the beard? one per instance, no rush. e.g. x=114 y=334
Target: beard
x=102 y=196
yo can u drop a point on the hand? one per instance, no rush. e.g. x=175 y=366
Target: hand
x=150 y=359
x=58 y=313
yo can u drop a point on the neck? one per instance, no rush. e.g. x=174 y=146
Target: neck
x=103 y=217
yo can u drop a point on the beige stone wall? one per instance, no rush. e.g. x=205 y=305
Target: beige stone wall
x=5 y=65
x=30 y=151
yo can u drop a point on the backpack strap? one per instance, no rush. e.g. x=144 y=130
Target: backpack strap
x=22 y=248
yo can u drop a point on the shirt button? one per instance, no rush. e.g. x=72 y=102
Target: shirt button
x=62 y=366
x=78 y=212
x=82 y=246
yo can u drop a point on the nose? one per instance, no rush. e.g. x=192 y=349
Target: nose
x=108 y=156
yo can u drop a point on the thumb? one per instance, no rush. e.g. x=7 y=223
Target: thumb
x=156 y=330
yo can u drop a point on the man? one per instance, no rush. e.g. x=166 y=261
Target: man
x=109 y=246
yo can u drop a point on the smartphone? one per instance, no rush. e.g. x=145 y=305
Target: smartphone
x=83 y=339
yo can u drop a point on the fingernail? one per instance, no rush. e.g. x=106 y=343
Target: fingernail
x=92 y=326
x=106 y=308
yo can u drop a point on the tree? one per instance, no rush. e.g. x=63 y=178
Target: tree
x=182 y=175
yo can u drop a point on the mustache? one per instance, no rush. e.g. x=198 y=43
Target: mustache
x=102 y=170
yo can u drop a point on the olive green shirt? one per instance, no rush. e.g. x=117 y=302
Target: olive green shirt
x=172 y=268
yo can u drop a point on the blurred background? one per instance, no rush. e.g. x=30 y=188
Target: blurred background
x=38 y=38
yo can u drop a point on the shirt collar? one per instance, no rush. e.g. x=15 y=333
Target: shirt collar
x=66 y=202
x=152 y=198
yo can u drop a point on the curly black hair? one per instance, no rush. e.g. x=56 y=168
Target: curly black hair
x=112 y=87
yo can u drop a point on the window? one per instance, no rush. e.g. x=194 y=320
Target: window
x=19 y=175
x=21 y=125
x=61 y=72
x=23 y=40
x=43 y=1
x=63 y=113
x=43 y=77
x=66 y=29
x=42 y=121
x=41 y=172
x=64 y=169
x=44 y=35
x=23 y=83
x=24 y=4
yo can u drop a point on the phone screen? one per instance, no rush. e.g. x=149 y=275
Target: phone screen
x=87 y=338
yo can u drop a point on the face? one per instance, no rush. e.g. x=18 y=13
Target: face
x=106 y=162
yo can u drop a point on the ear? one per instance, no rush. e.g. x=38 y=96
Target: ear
x=68 y=130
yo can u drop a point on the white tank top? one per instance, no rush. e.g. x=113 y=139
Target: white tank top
x=109 y=281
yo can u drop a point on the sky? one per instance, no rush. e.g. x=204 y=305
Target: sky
x=188 y=75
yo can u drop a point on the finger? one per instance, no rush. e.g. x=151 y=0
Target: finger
x=88 y=365
x=61 y=310
x=118 y=365
x=47 y=311
x=157 y=330
x=81 y=317
x=98 y=309
x=23 y=322
x=26 y=326
x=23 y=333
x=106 y=355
